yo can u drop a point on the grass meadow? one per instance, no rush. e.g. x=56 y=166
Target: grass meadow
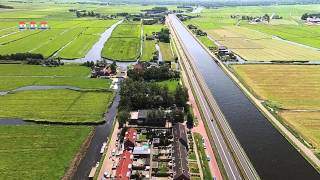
x=56 y=105
x=295 y=89
x=13 y=76
x=53 y=105
x=39 y=152
x=124 y=43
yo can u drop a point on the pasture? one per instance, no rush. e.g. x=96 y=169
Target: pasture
x=295 y=89
x=69 y=35
x=255 y=41
x=256 y=46
x=55 y=105
x=149 y=45
x=15 y=76
x=39 y=152
x=124 y=43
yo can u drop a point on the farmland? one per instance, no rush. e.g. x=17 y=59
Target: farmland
x=53 y=105
x=296 y=96
x=255 y=42
x=124 y=43
x=39 y=152
x=149 y=45
x=15 y=76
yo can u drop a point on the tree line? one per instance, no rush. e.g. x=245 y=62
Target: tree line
x=147 y=72
x=22 y=56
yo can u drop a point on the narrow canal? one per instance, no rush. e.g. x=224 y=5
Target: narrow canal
x=270 y=153
x=101 y=135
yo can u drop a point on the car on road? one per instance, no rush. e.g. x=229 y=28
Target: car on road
x=106 y=174
x=208 y=158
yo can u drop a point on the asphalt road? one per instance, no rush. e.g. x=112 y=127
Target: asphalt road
x=211 y=111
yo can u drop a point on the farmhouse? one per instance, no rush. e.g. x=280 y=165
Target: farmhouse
x=313 y=20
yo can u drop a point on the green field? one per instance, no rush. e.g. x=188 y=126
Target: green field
x=255 y=41
x=206 y=41
x=53 y=105
x=74 y=35
x=293 y=89
x=39 y=152
x=148 y=50
x=15 y=76
x=124 y=43
x=166 y=51
x=149 y=45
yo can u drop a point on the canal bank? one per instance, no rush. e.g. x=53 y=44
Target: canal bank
x=287 y=133
x=102 y=132
x=266 y=148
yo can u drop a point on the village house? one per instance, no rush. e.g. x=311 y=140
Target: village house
x=101 y=70
x=130 y=138
x=124 y=168
x=180 y=153
x=313 y=20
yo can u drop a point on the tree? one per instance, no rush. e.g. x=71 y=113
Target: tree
x=123 y=117
x=304 y=16
x=181 y=96
x=267 y=17
x=113 y=67
x=189 y=120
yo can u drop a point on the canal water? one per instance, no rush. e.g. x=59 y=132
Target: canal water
x=270 y=153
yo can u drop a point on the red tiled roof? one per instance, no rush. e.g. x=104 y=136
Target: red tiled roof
x=131 y=135
x=123 y=171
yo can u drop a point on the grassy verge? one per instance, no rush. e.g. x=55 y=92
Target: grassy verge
x=202 y=156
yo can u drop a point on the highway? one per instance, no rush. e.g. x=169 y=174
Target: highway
x=229 y=149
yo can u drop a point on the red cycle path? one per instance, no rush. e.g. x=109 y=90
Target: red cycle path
x=201 y=130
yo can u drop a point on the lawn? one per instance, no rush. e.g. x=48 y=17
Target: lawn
x=203 y=156
x=14 y=76
x=171 y=84
x=56 y=105
x=39 y=152
x=124 y=43
x=148 y=50
x=166 y=51
x=295 y=89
